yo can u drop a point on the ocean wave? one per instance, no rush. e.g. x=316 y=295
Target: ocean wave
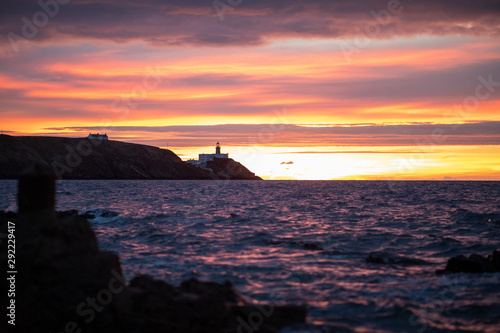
x=467 y=216
x=311 y=248
x=393 y=259
x=100 y=215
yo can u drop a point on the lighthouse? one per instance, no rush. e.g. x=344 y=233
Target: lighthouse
x=204 y=158
x=218 y=154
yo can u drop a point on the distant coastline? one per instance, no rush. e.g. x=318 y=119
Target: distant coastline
x=85 y=158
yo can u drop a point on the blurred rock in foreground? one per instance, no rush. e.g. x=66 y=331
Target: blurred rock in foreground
x=64 y=283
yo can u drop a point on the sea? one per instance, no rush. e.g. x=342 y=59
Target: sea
x=307 y=242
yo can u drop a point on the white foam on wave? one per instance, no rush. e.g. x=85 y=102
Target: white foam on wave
x=100 y=215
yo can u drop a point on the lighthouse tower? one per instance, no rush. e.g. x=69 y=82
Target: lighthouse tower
x=204 y=158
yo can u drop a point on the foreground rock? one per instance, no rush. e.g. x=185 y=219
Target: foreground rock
x=475 y=263
x=197 y=306
x=64 y=283
x=392 y=259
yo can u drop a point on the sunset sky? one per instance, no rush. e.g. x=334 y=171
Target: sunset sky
x=331 y=89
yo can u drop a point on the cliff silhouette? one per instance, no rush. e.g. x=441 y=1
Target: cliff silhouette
x=83 y=158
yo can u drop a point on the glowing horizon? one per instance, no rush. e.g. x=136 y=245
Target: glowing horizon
x=315 y=87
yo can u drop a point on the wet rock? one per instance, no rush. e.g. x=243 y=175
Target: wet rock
x=475 y=263
x=375 y=260
x=386 y=259
x=66 y=213
x=308 y=246
x=90 y=215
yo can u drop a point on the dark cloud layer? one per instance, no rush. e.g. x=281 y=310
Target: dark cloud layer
x=251 y=22
x=480 y=133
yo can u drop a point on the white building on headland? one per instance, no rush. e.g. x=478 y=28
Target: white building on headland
x=204 y=158
x=98 y=136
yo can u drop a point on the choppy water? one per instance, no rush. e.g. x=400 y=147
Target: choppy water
x=306 y=242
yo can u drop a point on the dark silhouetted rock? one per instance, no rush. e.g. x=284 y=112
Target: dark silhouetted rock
x=93 y=214
x=65 y=283
x=375 y=260
x=66 y=213
x=475 y=263
x=37 y=191
x=386 y=259
x=227 y=168
x=273 y=317
x=73 y=158
x=7 y=216
x=194 y=306
x=308 y=246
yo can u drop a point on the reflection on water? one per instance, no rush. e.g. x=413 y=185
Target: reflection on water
x=307 y=242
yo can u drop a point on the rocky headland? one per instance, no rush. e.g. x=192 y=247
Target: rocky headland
x=83 y=158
